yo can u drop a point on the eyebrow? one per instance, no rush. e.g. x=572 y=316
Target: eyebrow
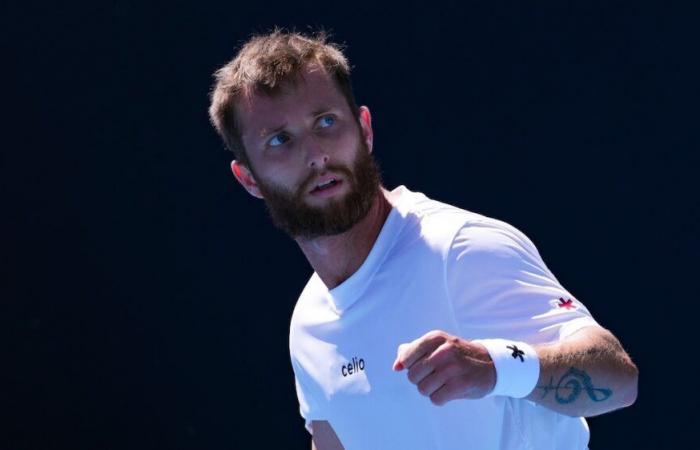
x=321 y=110
x=264 y=132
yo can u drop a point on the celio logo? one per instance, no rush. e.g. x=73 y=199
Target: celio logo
x=353 y=366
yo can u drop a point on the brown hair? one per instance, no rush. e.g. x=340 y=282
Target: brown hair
x=264 y=63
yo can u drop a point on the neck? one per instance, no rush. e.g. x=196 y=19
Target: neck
x=336 y=258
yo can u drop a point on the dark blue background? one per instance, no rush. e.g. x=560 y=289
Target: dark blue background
x=145 y=294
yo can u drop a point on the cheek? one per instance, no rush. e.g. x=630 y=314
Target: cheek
x=347 y=149
x=289 y=180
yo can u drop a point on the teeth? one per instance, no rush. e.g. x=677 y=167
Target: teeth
x=321 y=186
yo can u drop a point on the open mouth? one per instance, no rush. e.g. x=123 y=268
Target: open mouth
x=325 y=186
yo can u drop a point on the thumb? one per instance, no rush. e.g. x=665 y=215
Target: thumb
x=398 y=363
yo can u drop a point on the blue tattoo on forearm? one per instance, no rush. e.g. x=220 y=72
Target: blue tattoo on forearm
x=572 y=384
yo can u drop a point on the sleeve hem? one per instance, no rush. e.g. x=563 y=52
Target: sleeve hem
x=572 y=326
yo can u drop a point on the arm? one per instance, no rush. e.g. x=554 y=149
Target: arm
x=324 y=437
x=494 y=272
x=586 y=374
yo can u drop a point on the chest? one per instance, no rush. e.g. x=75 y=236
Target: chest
x=348 y=359
x=353 y=355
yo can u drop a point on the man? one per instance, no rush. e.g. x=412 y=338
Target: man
x=424 y=326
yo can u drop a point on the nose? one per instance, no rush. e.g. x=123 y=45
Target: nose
x=316 y=154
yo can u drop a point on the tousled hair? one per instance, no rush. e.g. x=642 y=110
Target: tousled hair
x=264 y=64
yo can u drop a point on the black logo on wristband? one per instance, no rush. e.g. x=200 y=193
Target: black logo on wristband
x=517 y=353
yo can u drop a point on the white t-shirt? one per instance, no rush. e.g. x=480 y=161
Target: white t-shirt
x=432 y=267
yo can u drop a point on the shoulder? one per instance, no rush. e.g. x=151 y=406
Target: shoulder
x=457 y=233
x=491 y=238
x=434 y=221
x=428 y=210
x=488 y=250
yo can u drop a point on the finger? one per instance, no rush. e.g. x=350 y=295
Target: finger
x=399 y=353
x=438 y=378
x=444 y=354
x=419 y=371
x=420 y=347
x=448 y=391
x=441 y=356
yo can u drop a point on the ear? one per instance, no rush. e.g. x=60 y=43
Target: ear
x=245 y=177
x=366 y=126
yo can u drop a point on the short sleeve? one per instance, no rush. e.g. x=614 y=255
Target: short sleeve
x=500 y=287
x=308 y=408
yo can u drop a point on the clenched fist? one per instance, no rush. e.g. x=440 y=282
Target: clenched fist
x=445 y=367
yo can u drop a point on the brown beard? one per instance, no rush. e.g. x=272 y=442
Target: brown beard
x=292 y=215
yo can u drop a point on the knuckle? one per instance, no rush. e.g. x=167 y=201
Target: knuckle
x=435 y=334
x=449 y=348
x=431 y=335
x=446 y=353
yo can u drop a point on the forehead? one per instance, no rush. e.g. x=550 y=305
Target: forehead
x=312 y=90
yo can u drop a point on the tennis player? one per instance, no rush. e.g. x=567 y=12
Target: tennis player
x=424 y=326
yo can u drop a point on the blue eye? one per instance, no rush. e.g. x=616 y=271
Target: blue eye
x=326 y=121
x=277 y=140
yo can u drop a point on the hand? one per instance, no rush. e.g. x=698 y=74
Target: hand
x=446 y=367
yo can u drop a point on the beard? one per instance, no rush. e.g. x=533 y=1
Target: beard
x=291 y=214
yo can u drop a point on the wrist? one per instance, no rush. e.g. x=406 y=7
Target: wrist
x=517 y=367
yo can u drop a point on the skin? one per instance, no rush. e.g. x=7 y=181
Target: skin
x=336 y=257
x=442 y=366
x=324 y=438
x=445 y=367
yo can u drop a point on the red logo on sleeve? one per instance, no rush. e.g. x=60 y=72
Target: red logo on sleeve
x=568 y=303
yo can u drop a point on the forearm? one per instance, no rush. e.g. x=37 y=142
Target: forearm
x=585 y=375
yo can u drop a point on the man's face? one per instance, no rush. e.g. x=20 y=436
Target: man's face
x=303 y=137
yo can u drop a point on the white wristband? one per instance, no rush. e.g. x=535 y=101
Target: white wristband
x=517 y=367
